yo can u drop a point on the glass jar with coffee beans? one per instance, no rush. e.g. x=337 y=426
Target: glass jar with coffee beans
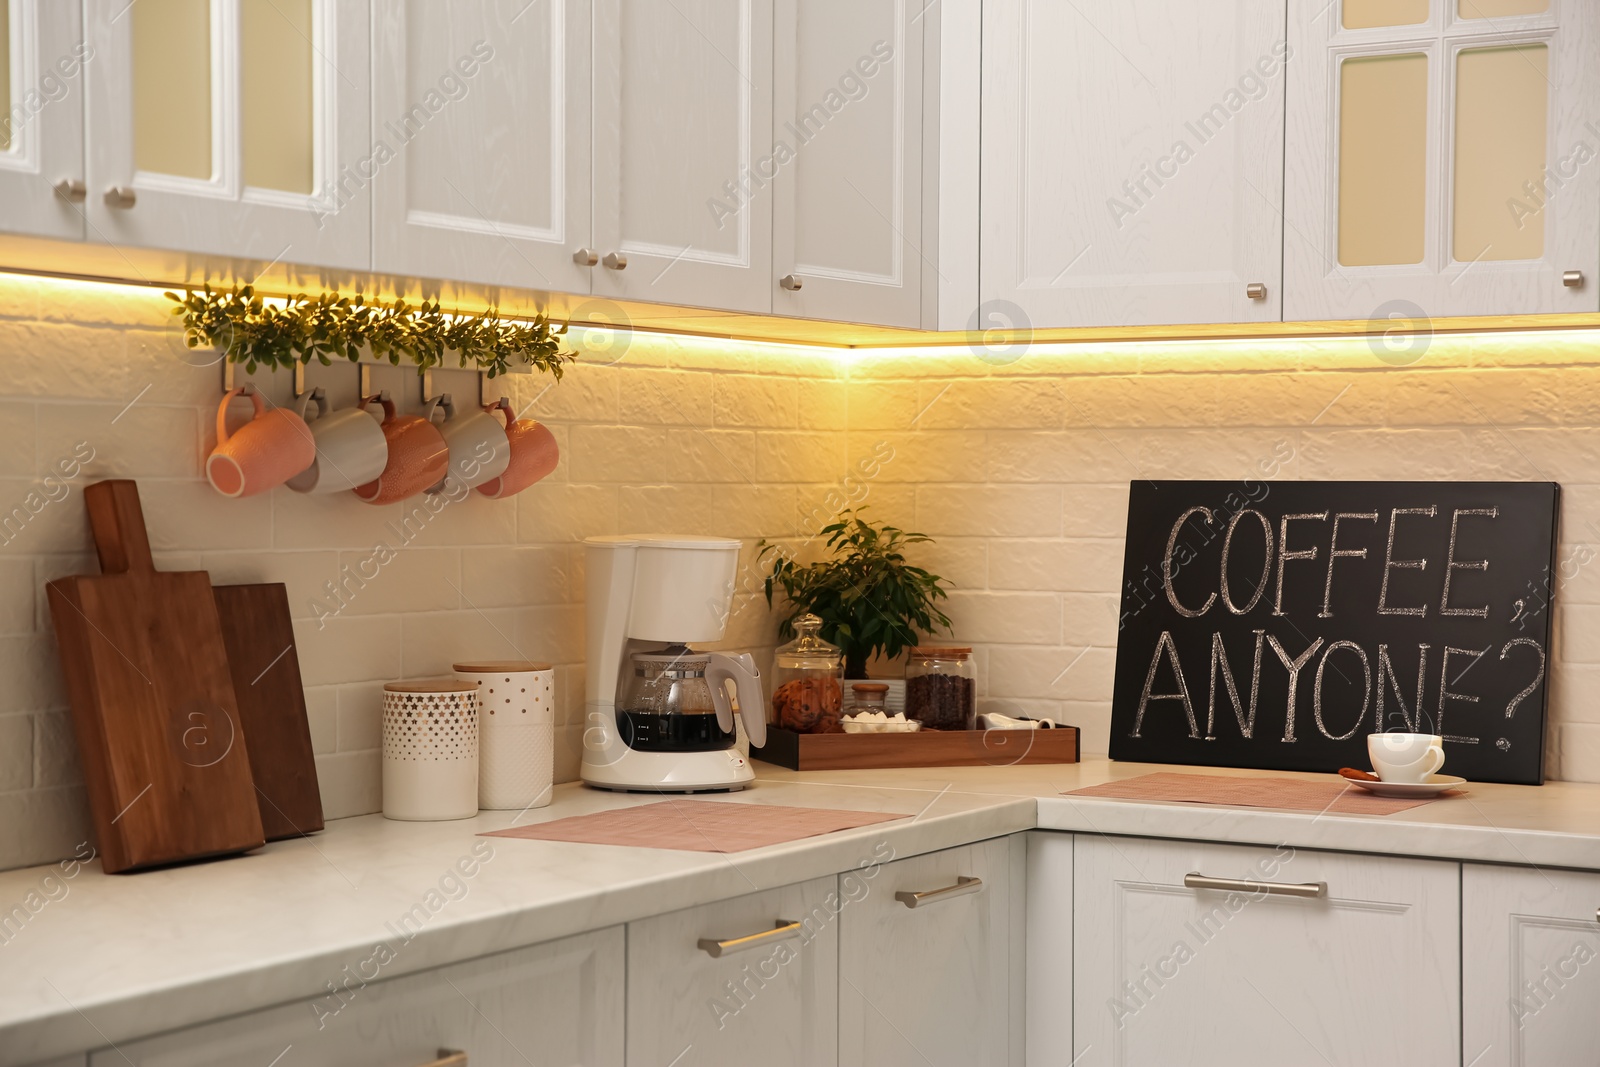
x=942 y=688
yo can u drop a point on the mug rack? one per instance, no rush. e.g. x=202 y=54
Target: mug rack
x=426 y=381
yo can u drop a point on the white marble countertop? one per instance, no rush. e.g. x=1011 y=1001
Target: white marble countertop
x=107 y=958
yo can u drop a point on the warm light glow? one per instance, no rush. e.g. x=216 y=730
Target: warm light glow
x=1544 y=341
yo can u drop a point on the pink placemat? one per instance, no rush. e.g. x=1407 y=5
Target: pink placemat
x=697 y=825
x=1293 y=793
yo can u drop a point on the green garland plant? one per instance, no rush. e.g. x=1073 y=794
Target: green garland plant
x=869 y=598
x=260 y=333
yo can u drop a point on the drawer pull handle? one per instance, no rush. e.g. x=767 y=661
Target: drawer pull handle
x=1195 y=880
x=586 y=257
x=782 y=930
x=792 y=282
x=1572 y=279
x=962 y=887
x=1256 y=290
x=448 y=1057
x=121 y=196
x=614 y=261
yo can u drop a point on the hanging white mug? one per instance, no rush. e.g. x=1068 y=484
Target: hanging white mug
x=351 y=448
x=480 y=451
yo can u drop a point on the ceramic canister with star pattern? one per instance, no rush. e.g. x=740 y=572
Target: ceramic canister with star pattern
x=516 y=732
x=430 y=749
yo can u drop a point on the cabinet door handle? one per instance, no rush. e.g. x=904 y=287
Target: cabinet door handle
x=1256 y=291
x=586 y=257
x=1572 y=279
x=791 y=282
x=120 y=196
x=1195 y=880
x=962 y=887
x=70 y=190
x=615 y=261
x=783 y=930
x=448 y=1058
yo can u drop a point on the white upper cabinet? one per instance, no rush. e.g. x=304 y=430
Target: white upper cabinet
x=1441 y=158
x=1532 y=984
x=683 y=152
x=1220 y=955
x=233 y=128
x=486 y=105
x=42 y=59
x=1132 y=162
x=847 y=224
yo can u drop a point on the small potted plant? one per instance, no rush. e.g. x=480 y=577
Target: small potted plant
x=870 y=599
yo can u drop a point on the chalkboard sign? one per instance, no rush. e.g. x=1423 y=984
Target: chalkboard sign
x=1277 y=624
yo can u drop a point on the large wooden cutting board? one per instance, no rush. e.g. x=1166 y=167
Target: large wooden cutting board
x=164 y=758
x=259 y=635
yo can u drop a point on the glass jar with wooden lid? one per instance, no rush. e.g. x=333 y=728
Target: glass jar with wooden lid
x=942 y=687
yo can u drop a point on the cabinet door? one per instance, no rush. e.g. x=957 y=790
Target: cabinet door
x=1132 y=162
x=1531 y=943
x=1367 y=972
x=926 y=980
x=553 y=1003
x=768 y=997
x=42 y=59
x=683 y=152
x=495 y=188
x=234 y=128
x=847 y=225
x=1441 y=158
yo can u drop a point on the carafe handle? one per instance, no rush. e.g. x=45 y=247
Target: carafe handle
x=741 y=671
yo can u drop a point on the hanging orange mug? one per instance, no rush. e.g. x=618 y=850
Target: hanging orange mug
x=418 y=457
x=267 y=451
x=534 y=454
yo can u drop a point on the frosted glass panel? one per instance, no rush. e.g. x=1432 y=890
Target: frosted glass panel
x=1383 y=140
x=1493 y=9
x=172 y=87
x=1364 y=14
x=276 y=94
x=5 y=76
x=1502 y=95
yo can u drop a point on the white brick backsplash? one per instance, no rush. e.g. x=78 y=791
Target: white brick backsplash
x=1021 y=472
x=16 y=752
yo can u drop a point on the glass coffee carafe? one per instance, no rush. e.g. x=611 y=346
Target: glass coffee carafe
x=666 y=703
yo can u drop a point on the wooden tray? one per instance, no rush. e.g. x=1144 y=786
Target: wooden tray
x=925 y=748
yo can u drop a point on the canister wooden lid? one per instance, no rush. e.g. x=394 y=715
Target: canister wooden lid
x=870 y=687
x=429 y=685
x=491 y=666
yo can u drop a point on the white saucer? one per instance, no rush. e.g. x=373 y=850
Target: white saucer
x=1436 y=784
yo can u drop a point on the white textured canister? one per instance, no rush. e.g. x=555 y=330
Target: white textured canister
x=516 y=732
x=430 y=750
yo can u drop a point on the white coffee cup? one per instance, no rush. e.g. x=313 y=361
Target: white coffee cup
x=351 y=448
x=480 y=451
x=1400 y=757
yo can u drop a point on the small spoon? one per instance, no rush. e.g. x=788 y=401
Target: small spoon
x=1358 y=775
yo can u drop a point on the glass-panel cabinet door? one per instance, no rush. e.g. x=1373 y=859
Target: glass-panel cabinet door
x=42 y=59
x=232 y=127
x=1439 y=159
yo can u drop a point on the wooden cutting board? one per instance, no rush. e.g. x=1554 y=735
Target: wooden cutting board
x=164 y=759
x=259 y=635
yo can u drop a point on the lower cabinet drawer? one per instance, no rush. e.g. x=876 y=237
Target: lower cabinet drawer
x=557 y=1003
x=1222 y=955
x=743 y=982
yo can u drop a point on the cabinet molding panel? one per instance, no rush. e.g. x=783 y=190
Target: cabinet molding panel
x=494 y=189
x=1132 y=162
x=1367 y=972
x=559 y=1002
x=683 y=152
x=847 y=219
x=1531 y=942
